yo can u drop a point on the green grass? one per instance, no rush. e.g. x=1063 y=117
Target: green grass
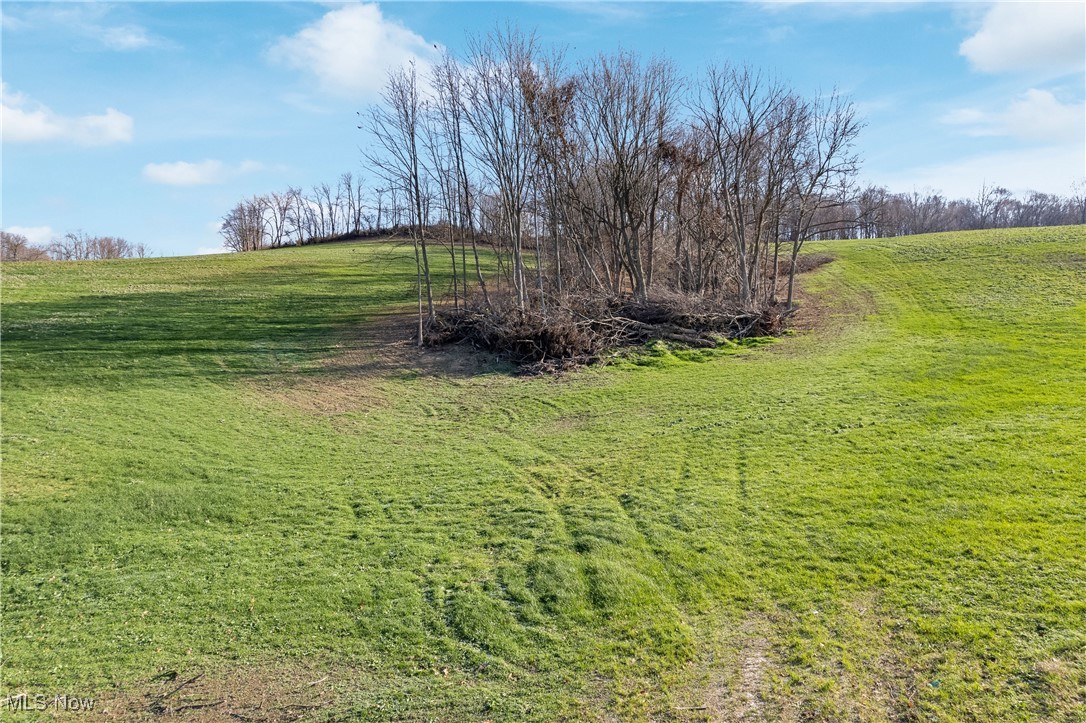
x=884 y=518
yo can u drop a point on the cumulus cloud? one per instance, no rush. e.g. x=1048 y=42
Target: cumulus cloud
x=203 y=173
x=1036 y=115
x=350 y=49
x=1029 y=36
x=25 y=120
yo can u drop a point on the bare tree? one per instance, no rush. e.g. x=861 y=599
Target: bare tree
x=625 y=123
x=822 y=171
x=496 y=111
x=81 y=246
x=395 y=125
x=448 y=82
x=280 y=212
x=752 y=127
x=16 y=247
x=244 y=228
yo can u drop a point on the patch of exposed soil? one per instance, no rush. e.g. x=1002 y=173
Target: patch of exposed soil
x=265 y=693
x=350 y=379
x=817 y=313
x=753 y=662
x=731 y=683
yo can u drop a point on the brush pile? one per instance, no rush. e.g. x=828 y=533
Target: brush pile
x=582 y=330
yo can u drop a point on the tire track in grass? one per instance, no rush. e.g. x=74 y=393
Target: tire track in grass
x=628 y=587
x=729 y=680
x=663 y=519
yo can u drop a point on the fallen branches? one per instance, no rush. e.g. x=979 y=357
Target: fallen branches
x=581 y=330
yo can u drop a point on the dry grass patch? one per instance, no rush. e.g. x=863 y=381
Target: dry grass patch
x=269 y=693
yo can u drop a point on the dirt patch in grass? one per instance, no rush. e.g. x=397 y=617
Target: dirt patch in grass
x=732 y=680
x=386 y=346
x=741 y=697
x=752 y=668
x=266 y=693
x=827 y=312
x=350 y=378
x=328 y=397
x=1060 y=686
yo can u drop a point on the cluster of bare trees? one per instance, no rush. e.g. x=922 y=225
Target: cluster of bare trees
x=612 y=178
x=293 y=217
x=616 y=177
x=75 y=246
x=876 y=212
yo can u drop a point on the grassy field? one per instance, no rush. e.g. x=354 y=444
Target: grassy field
x=212 y=466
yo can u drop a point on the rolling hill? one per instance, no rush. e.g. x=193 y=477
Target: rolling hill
x=230 y=486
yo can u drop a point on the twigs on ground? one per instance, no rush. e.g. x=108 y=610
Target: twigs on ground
x=581 y=330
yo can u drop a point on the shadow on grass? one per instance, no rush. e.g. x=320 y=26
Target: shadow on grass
x=253 y=323
x=265 y=323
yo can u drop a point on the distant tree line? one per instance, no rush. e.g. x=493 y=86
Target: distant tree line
x=294 y=217
x=75 y=246
x=877 y=213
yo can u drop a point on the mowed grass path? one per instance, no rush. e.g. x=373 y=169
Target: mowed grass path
x=883 y=518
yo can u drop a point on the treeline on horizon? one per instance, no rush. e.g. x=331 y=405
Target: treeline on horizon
x=352 y=208
x=73 y=246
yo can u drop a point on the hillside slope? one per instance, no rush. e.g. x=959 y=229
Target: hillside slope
x=213 y=465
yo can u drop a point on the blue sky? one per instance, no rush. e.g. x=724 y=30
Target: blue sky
x=150 y=120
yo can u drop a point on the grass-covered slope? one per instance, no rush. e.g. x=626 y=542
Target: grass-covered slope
x=209 y=465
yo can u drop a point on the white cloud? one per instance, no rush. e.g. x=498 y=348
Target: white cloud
x=126 y=37
x=183 y=173
x=8 y=22
x=86 y=19
x=25 y=120
x=1050 y=169
x=205 y=250
x=841 y=7
x=1036 y=115
x=202 y=173
x=1028 y=36
x=779 y=33
x=611 y=12
x=350 y=50
x=965 y=116
x=40 y=235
